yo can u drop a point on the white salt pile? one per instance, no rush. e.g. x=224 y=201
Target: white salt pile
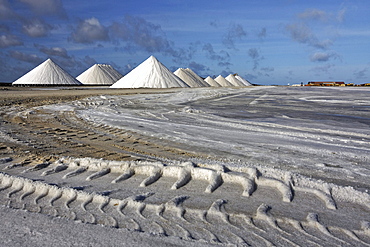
x=47 y=73
x=222 y=81
x=212 y=82
x=99 y=74
x=150 y=74
x=244 y=81
x=197 y=77
x=234 y=81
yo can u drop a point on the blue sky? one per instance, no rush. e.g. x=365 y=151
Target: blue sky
x=265 y=41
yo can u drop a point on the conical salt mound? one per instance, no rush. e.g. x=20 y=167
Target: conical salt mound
x=188 y=78
x=223 y=82
x=99 y=74
x=234 y=81
x=47 y=73
x=212 y=82
x=150 y=74
x=197 y=77
x=244 y=81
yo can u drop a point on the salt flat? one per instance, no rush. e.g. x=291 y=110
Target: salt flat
x=322 y=132
x=258 y=166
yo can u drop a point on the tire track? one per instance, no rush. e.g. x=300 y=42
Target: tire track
x=214 y=220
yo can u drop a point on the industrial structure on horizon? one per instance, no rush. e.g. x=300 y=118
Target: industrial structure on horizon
x=333 y=84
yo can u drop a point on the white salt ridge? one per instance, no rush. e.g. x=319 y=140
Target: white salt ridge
x=197 y=77
x=191 y=78
x=47 y=73
x=212 y=82
x=234 y=81
x=184 y=75
x=244 y=81
x=99 y=74
x=284 y=181
x=150 y=74
x=222 y=81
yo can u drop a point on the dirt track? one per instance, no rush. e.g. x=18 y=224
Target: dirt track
x=66 y=135
x=39 y=96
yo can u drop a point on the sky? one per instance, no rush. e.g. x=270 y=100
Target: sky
x=265 y=41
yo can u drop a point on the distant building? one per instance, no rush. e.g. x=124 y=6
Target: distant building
x=326 y=83
x=367 y=84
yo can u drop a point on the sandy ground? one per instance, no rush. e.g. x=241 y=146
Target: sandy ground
x=258 y=166
x=32 y=96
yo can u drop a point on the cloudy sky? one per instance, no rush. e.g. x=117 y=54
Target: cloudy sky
x=265 y=41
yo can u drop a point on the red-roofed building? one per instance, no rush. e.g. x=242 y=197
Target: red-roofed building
x=326 y=83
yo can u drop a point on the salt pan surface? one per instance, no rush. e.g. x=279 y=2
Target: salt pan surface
x=255 y=125
x=297 y=157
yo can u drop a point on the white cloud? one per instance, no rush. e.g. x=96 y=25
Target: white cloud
x=29 y=58
x=361 y=74
x=36 y=28
x=53 y=51
x=313 y=14
x=136 y=32
x=89 y=31
x=323 y=56
x=46 y=7
x=341 y=14
x=302 y=33
x=6 y=11
x=234 y=32
x=9 y=40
